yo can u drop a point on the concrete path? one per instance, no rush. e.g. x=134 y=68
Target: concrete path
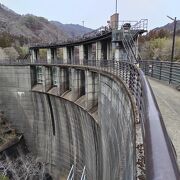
x=169 y=103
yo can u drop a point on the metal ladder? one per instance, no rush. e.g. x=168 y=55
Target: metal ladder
x=133 y=54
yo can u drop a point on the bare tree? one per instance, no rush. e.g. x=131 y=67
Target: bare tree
x=24 y=168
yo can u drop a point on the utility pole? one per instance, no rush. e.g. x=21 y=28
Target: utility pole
x=172 y=54
x=116 y=5
x=174 y=36
x=83 y=23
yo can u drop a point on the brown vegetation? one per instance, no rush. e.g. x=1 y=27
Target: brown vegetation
x=158 y=45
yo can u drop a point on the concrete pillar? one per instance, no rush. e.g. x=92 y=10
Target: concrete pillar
x=98 y=50
x=34 y=55
x=55 y=79
x=68 y=55
x=63 y=80
x=51 y=55
x=71 y=54
x=78 y=84
x=104 y=49
x=81 y=54
x=85 y=52
x=76 y=59
x=33 y=70
x=65 y=55
x=46 y=78
x=109 y=50
x=90 y=52
x=118 y=52
x=91 y=89
x=60 y=79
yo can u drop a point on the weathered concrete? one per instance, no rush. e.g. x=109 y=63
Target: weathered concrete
x=168 y=100
x=109 y=50
x=117 y=131
x=91 y=89
x=34 y=55
x=65 y=55
x=81 y=54
x=62 y=133
x=46 y=78
x=98 y=50
x=51 y=55
x=70 y=52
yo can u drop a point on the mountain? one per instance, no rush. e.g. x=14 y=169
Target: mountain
x=169 y=27
x=30 y=28
x=72 y=30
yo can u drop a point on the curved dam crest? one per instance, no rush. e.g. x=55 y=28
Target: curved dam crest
x=63 y=133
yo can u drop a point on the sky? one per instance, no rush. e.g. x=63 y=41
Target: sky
x=95 y=13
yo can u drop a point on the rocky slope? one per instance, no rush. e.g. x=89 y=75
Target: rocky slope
x=35 y=29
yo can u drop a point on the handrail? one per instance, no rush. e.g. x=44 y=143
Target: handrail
x=160 y=158
x=100 y=32
x=83 y=176
x=135 y=25
x=71 y=173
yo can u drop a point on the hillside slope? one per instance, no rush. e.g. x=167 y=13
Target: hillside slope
x=36 y=29
x=72 y=30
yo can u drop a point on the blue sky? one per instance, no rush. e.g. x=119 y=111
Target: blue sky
x=95 y=13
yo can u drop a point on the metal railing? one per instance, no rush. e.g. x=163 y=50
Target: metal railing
x=83 y=176
x=90 y=35
x=160 y=158
x=162 y=70
x=135 y=25
x=130 y=47
x=71 y=173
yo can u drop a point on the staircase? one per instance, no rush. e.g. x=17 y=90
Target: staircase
x=129 y=34
x=130 y=46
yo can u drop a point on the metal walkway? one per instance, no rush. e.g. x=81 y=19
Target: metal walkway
x=168 y=100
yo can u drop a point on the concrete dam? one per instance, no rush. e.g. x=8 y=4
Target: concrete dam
x=83 y=127
x=86 y=116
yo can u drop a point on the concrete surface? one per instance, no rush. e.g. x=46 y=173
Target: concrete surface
x=117 y=129
x=168 y=100
x=62 y=133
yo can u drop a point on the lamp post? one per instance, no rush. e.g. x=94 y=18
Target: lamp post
x=174 y=35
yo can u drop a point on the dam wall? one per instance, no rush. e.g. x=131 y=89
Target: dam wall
x=62 y=132
x=117 y=130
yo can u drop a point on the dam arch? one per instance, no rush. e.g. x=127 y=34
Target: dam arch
x=83 y=136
